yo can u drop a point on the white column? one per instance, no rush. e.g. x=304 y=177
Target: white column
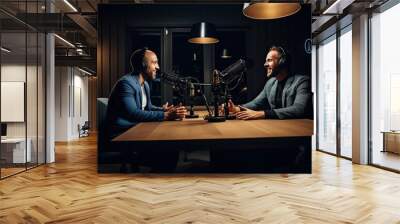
x=50 y=103
x=63 y=102
x=360 y=90
x=314 y=90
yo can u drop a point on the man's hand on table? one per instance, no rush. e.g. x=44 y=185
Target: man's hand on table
x=247 y=114
x=175 y=113
x=232 y=108
x=167 y=107
x=243 y=113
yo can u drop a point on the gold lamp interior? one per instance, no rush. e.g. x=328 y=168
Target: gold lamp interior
x=262 y=10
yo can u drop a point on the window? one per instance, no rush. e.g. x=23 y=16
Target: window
x=345 y=42
x=326 y=106
x=385 y=85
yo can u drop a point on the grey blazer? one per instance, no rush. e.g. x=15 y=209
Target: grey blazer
x=296 y=98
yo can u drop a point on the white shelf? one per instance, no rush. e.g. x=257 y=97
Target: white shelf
x=16 y=147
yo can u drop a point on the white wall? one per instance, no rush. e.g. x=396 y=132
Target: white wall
x=71 y=102
x=314 y=90
x=62 y=81
x=32 y=127
x=16 y=73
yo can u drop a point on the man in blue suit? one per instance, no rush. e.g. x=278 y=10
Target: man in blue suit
x=129 y=104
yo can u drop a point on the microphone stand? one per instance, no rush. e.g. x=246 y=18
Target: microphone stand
x=217 y=86
x=226 y=109
x=205 y=99
x=220 y=87
x=191 y=93
x=191 y=111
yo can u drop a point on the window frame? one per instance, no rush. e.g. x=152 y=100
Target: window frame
x=333 y=37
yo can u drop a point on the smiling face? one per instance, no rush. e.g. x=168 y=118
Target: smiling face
x=271 y=62
x=151 y=60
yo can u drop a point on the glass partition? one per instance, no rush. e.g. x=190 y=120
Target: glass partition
x=326 y=105
x=22 y=64
x=14 y=153
x=385 y=89
x=31 y=97
x=346 y=72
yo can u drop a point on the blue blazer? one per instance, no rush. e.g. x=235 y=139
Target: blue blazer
x=124 y=106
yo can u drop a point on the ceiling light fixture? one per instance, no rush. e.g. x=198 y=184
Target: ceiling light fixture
x=264 y=10
x=337 y=7
x=84 y=71
x=5 y=50
x=70 y=5
x=65 y=41
x=203 y=33
x=225 y=54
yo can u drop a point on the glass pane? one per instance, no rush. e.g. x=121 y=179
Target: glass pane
x=314 y=90
x=385 y=84
x=346 y=94
x=17 y=8
x=31 y=97
x=327 y=96
x=13 y=86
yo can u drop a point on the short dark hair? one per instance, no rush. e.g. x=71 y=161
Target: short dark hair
x=279 y=49
x=283 y=56
x=137 y=60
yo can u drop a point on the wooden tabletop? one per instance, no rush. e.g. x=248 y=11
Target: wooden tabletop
x=199 y=129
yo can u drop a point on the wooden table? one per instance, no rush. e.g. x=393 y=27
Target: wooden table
x=198 y=133
x=202 y=130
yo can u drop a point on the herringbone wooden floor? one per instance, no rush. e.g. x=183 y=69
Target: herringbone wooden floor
x=71 y=191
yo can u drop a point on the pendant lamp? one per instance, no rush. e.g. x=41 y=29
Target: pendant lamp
x=270 y=10
x=203 y=33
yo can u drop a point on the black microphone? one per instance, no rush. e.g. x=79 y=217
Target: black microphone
x=192 y=91
x=216 y=80
x=233 y=71
x=172 y=78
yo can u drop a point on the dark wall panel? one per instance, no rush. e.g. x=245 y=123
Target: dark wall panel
x=114 y=52
x=92 y=102
x=114 y=44
x=114 y=21
x=291 y=33
x=99 y=56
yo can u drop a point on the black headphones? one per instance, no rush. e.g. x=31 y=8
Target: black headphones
x=284 y=59
x=137 y=61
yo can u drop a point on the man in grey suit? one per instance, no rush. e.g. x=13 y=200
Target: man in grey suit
x=285 y=96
